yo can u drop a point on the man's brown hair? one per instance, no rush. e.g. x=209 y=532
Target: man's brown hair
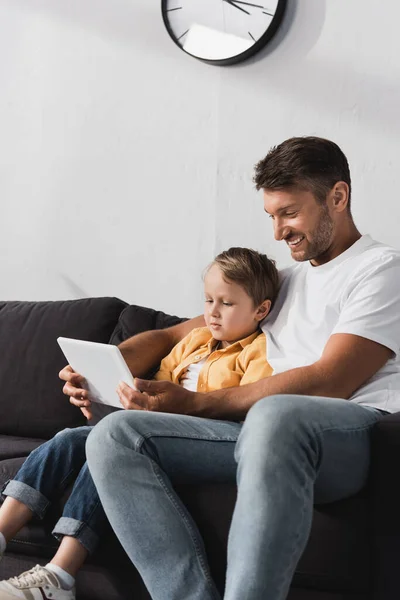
x=310 y=163
x=254 y=271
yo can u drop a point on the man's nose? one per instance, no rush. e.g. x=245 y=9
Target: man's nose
x=280 y=230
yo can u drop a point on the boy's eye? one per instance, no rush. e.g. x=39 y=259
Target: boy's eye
x=207 y=300
x=227 y=303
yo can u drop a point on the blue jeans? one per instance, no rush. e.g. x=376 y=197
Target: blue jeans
x=45 y=475
x=290 y=452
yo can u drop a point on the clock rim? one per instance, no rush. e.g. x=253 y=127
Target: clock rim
x=232 y=60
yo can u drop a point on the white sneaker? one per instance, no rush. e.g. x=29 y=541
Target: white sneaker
x=36 y=584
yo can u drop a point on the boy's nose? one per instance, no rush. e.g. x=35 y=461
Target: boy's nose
x=214 y=311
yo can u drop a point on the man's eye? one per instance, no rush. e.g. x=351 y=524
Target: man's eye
x=292 y=214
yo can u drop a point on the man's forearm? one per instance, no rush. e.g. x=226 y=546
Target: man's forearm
x=234 y=403
x=145 y=351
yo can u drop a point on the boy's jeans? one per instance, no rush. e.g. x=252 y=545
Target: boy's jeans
x=45 y=475
x=290 y=451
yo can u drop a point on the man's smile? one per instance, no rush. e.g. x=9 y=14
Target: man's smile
x=295 y=241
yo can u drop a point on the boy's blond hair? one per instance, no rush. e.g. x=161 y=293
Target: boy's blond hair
x=254 y=271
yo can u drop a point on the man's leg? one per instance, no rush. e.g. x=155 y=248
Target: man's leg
x=133 y=457
x=288 y=444
x=292 y=451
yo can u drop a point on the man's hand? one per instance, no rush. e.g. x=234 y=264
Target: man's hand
x=158 y=396
x=73 y=388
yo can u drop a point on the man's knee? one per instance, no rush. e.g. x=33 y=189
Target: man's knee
x=117 y=430
x=105 y=433
x=278 y=411
x=272 y=423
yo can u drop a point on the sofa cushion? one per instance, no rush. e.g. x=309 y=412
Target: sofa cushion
x=32 y=403
x=336 y=558
x=12 y=446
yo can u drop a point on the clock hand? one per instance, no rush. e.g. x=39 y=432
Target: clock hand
x=248 y=4
x=232 y=3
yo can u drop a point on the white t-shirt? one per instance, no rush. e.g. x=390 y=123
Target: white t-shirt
x=358 y=292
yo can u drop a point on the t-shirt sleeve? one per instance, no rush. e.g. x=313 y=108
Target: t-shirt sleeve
x=371 y=308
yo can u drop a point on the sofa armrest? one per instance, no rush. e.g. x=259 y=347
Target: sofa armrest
x=385 y=498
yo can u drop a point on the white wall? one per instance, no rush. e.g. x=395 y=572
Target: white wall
x=125 y=165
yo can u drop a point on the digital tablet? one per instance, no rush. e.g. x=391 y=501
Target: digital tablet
x=102 y=365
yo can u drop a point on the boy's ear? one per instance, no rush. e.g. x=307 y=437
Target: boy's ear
x=263 y=310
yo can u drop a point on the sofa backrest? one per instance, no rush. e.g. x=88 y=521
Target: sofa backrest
x=31 y=400
x=136 y=319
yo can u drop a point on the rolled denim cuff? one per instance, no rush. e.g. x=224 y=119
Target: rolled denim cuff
x=77 y=529
x=33 y=499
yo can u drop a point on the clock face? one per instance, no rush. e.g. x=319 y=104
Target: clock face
x=222 y=31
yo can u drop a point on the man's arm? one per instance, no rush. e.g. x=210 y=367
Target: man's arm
x=141 y=352
x=144 y=351
x=347 y=362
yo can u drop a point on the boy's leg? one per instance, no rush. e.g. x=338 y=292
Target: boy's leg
x=83 y=516
x=133 y=457
x=45 y=475
x=48 y=470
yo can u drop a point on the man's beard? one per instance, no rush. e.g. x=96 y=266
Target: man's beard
x=322 y=236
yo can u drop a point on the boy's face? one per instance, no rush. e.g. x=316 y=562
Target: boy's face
x=229 y=312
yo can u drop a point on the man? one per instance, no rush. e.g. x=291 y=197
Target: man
x=333 y=342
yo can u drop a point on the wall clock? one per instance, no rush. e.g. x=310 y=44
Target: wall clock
x=222 y=32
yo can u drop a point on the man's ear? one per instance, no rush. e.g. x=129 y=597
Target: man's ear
x=340 y=196
x=263 y=310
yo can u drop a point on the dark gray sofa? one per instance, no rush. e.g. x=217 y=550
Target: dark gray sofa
x=354 y=545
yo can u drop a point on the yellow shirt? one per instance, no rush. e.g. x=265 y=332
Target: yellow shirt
x=240 y=363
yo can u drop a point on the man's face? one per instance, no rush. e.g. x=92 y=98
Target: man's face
x=305 y=225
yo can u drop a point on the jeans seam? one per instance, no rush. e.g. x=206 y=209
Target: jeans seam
x=147 y=436
x=352 y=430
x=138 y=444
x=182 y=515
x=67 y=478
x=91 y=513
x=296 y=536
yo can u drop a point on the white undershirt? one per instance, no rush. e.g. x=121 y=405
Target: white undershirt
x=191 y=376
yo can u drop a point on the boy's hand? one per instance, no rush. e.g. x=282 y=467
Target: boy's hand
x=158 y=396
x=73 y=388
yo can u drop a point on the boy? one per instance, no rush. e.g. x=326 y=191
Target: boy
x=240 y=287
